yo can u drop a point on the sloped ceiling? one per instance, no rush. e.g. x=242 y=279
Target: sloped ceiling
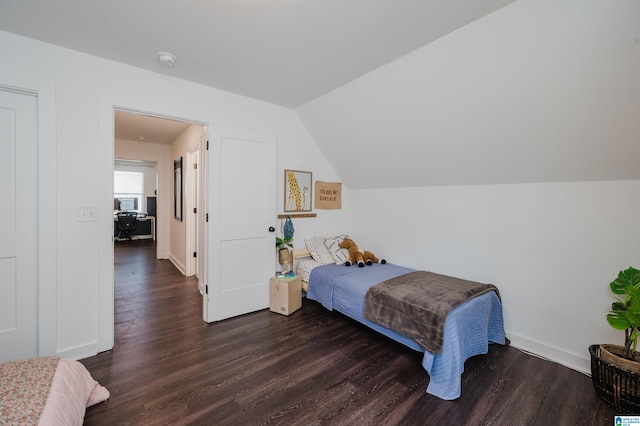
x=539 y=91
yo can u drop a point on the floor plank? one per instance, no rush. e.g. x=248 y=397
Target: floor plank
x=168 y=367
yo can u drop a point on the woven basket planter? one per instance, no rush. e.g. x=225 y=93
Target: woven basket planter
x=616 y=379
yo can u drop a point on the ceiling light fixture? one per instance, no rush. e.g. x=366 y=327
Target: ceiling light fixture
x=166 y=58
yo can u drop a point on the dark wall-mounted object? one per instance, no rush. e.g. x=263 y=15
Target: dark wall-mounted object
x=152 y=206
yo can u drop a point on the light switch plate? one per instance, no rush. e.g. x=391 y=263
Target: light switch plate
x=87 y=214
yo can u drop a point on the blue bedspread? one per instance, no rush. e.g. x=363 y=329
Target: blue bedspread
x=469 y=328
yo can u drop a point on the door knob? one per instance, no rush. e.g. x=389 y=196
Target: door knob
x=272 y=229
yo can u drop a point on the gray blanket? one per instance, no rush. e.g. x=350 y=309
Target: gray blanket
x=416 y=304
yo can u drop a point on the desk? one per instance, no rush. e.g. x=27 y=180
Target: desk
x=153 y=224
x=146 y=225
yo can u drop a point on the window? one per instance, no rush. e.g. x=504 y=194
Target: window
x=128 y=191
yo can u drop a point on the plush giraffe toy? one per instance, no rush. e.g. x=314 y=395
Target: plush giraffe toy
x=359 y=256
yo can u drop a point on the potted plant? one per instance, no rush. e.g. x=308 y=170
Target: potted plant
x=615 y=370
x=625 y=312
x=285 y=255
x=283 y=243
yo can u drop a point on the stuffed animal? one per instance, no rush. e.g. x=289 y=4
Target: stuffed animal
x=359 y=256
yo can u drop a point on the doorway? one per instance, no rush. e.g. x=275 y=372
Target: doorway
x=134 y=194
x=240 y=216
x=145 y=138
x=153 y=138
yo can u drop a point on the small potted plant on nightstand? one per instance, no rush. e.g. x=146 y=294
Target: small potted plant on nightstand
x=285 y=255
x=615 y=370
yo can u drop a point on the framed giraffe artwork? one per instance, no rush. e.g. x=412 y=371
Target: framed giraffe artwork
x=297 y=191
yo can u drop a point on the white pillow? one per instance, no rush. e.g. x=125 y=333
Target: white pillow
x=319 y=251
x=313 y=250
x=340 y=255
x=324 y=253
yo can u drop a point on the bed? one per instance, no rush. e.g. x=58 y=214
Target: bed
x=47 y=391
x=468 y=329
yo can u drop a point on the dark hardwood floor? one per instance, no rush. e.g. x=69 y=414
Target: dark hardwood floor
x=168 y=367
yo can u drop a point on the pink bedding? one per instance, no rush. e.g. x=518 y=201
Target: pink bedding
x=47 y=391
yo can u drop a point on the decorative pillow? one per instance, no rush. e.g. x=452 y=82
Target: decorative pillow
x=319 y=251
x=303 y=270
x=325 y=254
x=340 y=255
x=313 y=250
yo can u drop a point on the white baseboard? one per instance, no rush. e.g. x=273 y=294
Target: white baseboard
x=178 y=265
x=79 y=352
x=581 y=363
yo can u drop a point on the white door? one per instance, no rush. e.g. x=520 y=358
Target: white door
x=241 y=207
x=18 y=225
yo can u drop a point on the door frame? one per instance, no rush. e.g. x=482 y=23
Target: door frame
x=193 y=193
x=108 y=104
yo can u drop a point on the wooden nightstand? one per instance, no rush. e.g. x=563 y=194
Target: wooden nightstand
x=285 y=295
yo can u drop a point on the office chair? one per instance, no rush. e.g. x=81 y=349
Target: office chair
x=127 y=224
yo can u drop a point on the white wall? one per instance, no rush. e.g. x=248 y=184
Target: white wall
x=78 y=93
x=551 y=248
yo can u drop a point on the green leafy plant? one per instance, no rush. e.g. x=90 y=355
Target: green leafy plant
x=283 y=243
x=625 y=311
